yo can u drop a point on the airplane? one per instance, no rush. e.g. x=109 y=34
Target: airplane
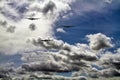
x=68 y=26
x=46 y=40
x=32 y=18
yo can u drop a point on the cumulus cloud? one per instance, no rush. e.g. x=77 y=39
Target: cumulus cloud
x=110 y=72
x=3 y=23
x=78 y=49
x=49 y=7
x=6 y=69
x=109 y=63
x=99 y=41
x=14 y=13
x=58 y=56
x=11 y=29
x=110 y=59
x=62 y=56
x=32 y=27
x=53 y=55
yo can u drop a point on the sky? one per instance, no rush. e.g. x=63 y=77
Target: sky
x=78 y=36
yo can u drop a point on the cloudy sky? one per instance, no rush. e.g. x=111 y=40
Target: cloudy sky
x=61 y=36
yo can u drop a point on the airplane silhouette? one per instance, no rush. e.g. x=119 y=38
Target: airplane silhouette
x=68 y=26
x=32 y=18
x=46 y=40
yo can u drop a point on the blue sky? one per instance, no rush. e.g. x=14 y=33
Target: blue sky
x=106 y=22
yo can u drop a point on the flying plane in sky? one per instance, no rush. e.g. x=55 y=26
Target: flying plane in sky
x=67 y=26
x=46 y=40
x=32 y=18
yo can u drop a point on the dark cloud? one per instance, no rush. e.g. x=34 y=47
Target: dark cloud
x=6 y=69
x=11 y=29
x=49 y=7
x=3 y=23
x=110 y=72
x=2 y=75
x=32 y=27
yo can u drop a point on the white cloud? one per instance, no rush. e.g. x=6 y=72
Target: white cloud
x=109 y=1
x=58 y=56
x=109 y=63
x=15 y=13
x=60 y=30
x=99 y=41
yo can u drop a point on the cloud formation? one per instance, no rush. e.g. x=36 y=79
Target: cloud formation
x=58 y=56
x=49 y=7
x=53 y=55
x=60 y=30
x=106 y=66
x=99 y=41
x=15 y=14
x=62 y=56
